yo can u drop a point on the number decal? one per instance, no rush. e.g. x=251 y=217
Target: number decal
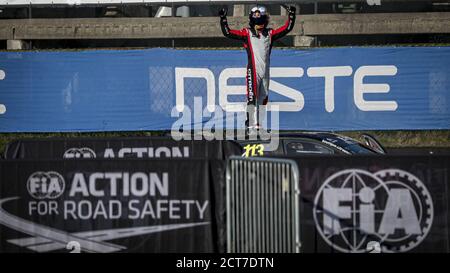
x=253 y=150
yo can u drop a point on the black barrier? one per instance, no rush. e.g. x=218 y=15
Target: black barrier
x=386 y=203
x=348 y=204
x=122 y=205
x=119 y=147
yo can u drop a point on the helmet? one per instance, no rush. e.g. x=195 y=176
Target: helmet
x=258 y=16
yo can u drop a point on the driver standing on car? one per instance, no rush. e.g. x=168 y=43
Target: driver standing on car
x=258 y=41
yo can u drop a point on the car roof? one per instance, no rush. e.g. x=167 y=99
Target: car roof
x=340 y=140
x=322 y=136
x=314 y=135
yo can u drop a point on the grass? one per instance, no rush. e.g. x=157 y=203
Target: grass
x=431 y=138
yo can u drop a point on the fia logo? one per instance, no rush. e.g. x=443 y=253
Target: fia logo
x=79 y=153
x=42 y=185
x=354 y=207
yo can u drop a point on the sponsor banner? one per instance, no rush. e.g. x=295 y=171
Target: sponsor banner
x=374 y=204
x=119 y=147
x=151 y=206
x=155 y=89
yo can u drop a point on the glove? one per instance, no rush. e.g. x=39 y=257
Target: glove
x=223 y=13
x=291 y=9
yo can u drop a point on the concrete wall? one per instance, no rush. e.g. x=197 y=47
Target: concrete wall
x=203 y=27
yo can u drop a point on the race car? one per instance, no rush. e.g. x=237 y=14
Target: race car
x=311 y=143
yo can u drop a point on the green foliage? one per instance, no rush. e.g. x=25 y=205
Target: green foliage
x=435 y=138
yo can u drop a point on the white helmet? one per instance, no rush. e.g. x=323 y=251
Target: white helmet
x=258 y=16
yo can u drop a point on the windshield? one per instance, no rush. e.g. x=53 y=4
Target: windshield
x=359 y=149
x=347 y=145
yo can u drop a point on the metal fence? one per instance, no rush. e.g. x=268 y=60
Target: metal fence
x=262 y=206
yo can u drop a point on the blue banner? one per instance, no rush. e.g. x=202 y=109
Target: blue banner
x=384 y=88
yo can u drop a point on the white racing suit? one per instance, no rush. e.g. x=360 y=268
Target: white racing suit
x=258 y=46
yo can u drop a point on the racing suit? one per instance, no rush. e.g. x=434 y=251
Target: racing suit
x=258 y=46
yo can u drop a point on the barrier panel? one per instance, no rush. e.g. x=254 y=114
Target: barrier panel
x=119 y=147
x=398 y=202
x=331 y=89
x=347 y=203
x=262 y=206
x=153 y=206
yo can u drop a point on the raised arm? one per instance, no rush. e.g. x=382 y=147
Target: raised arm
x=227 y=32
x=287 y=27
